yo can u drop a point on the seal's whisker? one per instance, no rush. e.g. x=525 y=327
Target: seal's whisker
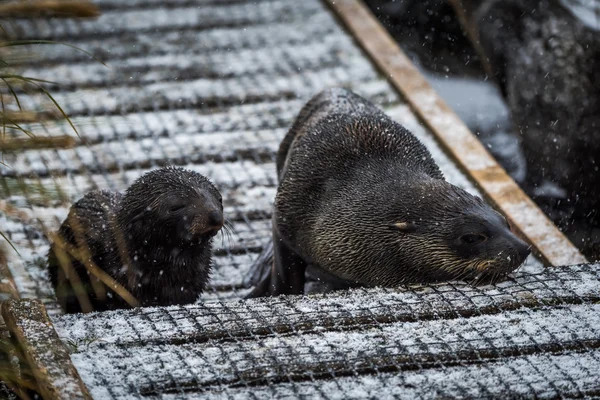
x=227 y=232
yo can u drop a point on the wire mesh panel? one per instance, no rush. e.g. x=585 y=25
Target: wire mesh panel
x=536 y=335
x=213 y=86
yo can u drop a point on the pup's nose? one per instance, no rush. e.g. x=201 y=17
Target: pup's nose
x=207 y=223
x=215 y=219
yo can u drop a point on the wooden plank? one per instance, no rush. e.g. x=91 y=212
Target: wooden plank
x=553 y=247
x=46 y=355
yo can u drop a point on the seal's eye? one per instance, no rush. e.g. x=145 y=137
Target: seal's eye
x=177 y=208
x=473 y=238
x=407 y=227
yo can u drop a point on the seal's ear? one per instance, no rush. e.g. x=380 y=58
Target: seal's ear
x=406 y=227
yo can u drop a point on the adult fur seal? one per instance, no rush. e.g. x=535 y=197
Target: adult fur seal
x=361 y=202
x=155 y=240
x=546 y=61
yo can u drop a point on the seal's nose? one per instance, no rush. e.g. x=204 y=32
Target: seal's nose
x=215 y=219
x=214 y=223
x=208 y=223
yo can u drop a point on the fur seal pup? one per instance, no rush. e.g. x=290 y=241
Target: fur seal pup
x=361 y=202
x=155 y=240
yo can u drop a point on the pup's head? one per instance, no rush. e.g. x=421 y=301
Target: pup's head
x=171 y=207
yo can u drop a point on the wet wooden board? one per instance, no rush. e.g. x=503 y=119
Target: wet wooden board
x=48 y=357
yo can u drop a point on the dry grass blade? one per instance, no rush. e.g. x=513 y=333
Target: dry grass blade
x=48 y=142
x=10 y=243
x=13 y=43
x=71 y=275
x=26 y=79
x=8 y=288
x=16 y=381
x=49 y=8
x=55 y=103
x=36 y=82
x=13 y=212
x=84 y=257
x=3 y=114
x=23 y=116
x=84 y=251
x=12 y=115
x=8 y=123
x=14 y=94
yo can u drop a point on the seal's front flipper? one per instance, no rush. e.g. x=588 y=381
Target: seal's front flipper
x=287 y=275
x=286 y=272
x=261 y=268
x=260 y=273
x=320 y=281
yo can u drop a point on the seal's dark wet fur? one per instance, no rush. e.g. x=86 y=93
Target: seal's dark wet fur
x=361 y=202
x=155 y=240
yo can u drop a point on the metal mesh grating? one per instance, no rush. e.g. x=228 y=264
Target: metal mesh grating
x=206 y=85
x=537 y=335
x=213 y=86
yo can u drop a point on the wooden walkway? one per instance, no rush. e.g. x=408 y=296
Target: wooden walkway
x=213 y=86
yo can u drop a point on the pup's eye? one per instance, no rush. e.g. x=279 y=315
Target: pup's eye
x=473 y=238
x=177 y=208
